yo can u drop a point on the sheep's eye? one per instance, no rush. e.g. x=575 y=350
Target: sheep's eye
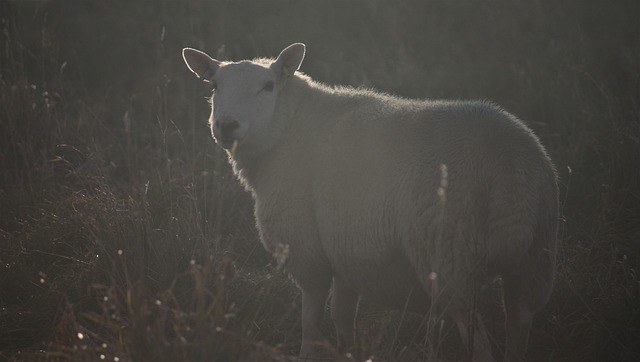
x=268 y=86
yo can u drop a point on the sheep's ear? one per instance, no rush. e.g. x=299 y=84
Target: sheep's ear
x=200 y=63
x=289 y=60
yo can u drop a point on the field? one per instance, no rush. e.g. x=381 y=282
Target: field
x=125 y=236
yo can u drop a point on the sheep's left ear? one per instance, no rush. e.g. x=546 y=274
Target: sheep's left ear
x=289 y=61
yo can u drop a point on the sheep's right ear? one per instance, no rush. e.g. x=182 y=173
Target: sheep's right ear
x=200 y=63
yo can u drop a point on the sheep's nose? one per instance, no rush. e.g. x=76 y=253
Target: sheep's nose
x=227 y=127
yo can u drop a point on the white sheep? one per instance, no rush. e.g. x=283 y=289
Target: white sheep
x=412 y=203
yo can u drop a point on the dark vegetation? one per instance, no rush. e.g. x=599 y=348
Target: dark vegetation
x=124 y=235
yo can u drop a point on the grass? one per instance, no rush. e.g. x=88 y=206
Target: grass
x=124 y=235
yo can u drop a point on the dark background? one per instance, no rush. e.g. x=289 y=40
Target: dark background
x=120 y=220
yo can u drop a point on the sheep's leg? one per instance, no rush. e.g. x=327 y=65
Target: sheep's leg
x=518 y=319
x=314 y=298
x=518 y=324
x=526 y=291
x=344 y=305
x=481 y=349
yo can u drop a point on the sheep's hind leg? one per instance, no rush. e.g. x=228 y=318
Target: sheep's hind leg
x=523 y=297
x=518 y=324
x=526 y=291
x=481 y=349
x=344 y=305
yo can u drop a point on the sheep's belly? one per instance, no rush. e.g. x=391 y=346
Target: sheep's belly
x=392 y=283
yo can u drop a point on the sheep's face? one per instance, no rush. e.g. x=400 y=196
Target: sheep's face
x=245 y=94
x=243 y=103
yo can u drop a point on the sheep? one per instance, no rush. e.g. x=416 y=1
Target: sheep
x=415 y=204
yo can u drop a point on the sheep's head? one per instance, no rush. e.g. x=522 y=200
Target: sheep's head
x=244 y=93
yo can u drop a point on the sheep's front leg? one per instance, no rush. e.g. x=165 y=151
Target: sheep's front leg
x=314 y=298
x=344 y=305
